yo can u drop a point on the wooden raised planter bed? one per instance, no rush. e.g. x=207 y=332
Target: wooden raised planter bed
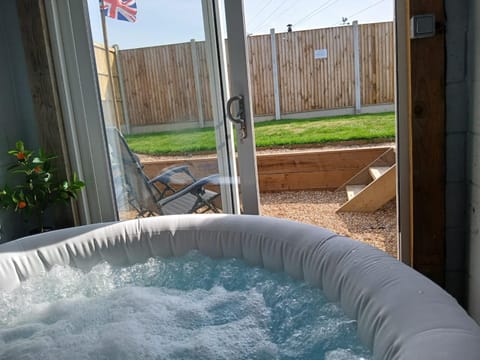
x=288 y=171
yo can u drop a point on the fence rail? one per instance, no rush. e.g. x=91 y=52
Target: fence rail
x=314 y=70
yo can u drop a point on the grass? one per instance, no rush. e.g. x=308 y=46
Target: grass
x=274 y=133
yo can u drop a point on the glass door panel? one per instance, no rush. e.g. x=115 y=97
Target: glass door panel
x=164 y=99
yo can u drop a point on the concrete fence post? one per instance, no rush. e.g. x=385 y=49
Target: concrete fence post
x=356 y=60
x=276 y=89
x=198 y=88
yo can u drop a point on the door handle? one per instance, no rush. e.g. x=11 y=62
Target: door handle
x=239 y=118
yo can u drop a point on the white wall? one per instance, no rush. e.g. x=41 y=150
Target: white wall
x=473 y=164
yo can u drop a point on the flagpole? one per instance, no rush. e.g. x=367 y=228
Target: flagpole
x=109 y=72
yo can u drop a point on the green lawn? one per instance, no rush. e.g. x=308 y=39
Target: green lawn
x=273 y=134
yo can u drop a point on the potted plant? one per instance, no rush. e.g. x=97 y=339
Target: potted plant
x=38 y=188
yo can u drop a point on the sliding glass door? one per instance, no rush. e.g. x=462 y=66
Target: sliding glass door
x=175 y=112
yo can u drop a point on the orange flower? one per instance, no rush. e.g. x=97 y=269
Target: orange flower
x=21 y=155
x=37 y=169
x=22 y=204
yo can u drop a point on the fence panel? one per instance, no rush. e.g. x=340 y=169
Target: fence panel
x=377 y=63
x=261 y=67
x=160 y=84
x=315 y=72
x=206 y=98
x=308 y=83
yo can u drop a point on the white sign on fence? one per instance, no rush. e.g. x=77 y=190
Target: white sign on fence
x=321 y=54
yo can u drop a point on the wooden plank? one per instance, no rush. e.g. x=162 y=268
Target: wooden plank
x=427 y=124
x=374 y=195
x=298 y=181
x=353 y=190
x=377 y=171
x=313 y=170
x=327 y=179
x=363 y=176
x=317 y=160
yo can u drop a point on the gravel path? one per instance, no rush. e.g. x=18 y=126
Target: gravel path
x=318 y=208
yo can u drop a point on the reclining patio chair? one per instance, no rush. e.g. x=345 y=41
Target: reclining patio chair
x=174 y=191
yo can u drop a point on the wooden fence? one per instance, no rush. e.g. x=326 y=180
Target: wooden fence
x=377 y=63
x=314 y=70
x=110 y=90
x=167 y=84
x=326 y=81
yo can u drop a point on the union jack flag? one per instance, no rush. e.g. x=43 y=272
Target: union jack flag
x=125 y=10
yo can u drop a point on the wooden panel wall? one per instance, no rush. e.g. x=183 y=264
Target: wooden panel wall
x=161 y=89
x=427 y=124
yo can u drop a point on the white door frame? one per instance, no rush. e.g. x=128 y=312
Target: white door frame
x=72 y=52
x=404 y=201
x=240 y=86
x=217 y=69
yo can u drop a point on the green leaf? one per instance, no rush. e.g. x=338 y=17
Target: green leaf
x=20 y=146
x=20 y=171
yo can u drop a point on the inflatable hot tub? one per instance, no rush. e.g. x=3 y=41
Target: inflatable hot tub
x=400 y=313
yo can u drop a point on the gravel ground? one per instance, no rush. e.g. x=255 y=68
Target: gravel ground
x=318 y=208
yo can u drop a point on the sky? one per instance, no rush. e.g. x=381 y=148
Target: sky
x=162 y=22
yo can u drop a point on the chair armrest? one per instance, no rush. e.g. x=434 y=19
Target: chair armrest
x=166 y=175
x=194 y=188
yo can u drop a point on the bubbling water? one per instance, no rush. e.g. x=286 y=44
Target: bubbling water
x=191 y=307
